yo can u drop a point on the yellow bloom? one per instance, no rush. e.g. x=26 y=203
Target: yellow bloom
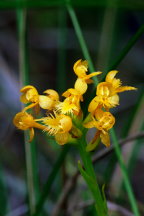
x=74 y=94
x=116 y=83
x=71 y=105
x=66 y=107
x=103 y=121
x=30 y=95
x=50 y=100
x=52 y=94
x=59 y=126
x=81 y=86
x=25 y=121
x=57 y=123
x=80 y=69
x=106 y=92
x=63 y=138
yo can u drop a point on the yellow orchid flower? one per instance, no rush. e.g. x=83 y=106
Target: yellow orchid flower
x=52 y=94
x=74 y=94
x=30 y=95
x=80 y=68
x=103 y=121
x=59 y=126
x=57 y=123
x=63 y=138
x=107 y=93
x=50 y=100
x=71 y=105
x=116 y=83
x=67 y=107
x=25 y=121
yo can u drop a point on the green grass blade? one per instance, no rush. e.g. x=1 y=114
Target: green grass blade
x=50 y=180
x=31 y=167
x=127 y=48
x=81 y=40
x=131 y=149
x=3 y=193
x=62 y=37
x=61 y=85
x=118 y=153
x=125 y=174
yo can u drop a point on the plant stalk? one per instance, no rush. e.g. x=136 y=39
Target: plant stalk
x=100 y=205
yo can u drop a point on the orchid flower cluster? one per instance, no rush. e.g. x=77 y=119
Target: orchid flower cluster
x=63 y=118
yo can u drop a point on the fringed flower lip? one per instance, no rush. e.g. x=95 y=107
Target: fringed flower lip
x=68 y=107
x=56 y=123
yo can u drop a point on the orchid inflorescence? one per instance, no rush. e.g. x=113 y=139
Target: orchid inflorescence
x=64 y=120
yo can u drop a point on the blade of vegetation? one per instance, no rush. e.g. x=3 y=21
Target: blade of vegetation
x=81 y=40
x=61 y=85
x=3 y=196
x=31 y=167
x=50 y=180
x=128 y=150
x=115 y=141
x=136 y=150
x=127 y=48
x=125 y=174
x=106 y=38
x=61 y=69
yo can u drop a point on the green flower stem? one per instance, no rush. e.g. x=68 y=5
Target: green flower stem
x=125 y=175
x=100 y=205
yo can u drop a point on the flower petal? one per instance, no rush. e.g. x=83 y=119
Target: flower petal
x=125 y=88
x=113 y=101
x=23 y=99
x=93 y=105
x=110 y=76
x=105 y=139
x=31 y=130
x=90 y=124
x=62 y=139
x=80 y=68
x=52 y=94
x=26 y=88
x=104 y=89
x=45 y=102
x=81 y=86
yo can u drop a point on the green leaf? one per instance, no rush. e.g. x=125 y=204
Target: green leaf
x=3 y=197
x=104 y=197
x=92 y=145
